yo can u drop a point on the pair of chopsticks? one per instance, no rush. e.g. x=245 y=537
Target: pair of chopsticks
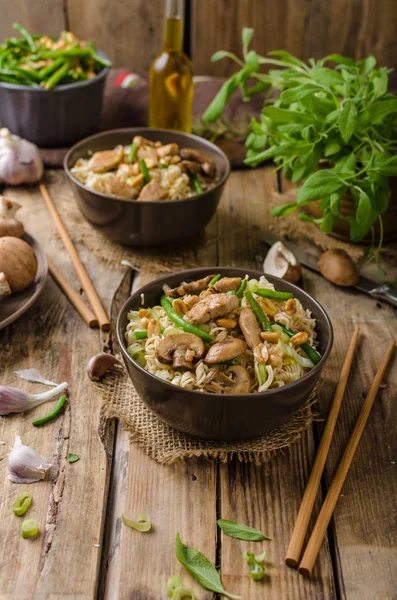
x=99 y=317
x=298 y=535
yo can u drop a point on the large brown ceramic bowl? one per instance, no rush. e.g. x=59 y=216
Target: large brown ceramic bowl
x=216 y=416
x=147 y=223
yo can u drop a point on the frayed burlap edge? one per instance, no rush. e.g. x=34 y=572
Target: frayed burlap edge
x=167 y=445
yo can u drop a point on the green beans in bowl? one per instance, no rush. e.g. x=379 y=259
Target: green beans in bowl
x=51 y=89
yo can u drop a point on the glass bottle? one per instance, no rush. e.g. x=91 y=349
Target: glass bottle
x=171 y=76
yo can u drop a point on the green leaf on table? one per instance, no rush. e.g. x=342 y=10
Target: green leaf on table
x=240 y=531
x=348 y=120
x=72 y=458
x=200 y=568
x=320 y=184
x=247 y=35
x=364 y=208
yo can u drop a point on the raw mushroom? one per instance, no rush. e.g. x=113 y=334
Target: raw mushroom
x=337 y=266
x=212 y=307
x=180 y=349
x=282 y=263
x=235 y=380
x=9 y=226
x=225 y=350
x=194 y=288
x=18 y=263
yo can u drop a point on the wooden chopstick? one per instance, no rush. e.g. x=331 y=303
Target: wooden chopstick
x=82 y=274
x=309 y=497
x=320 y=528
x=73 y=296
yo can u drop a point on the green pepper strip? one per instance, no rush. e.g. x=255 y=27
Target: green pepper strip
x=273 y=294
x=314 y=356
x=241 y=289
x=196 y=184
x=22 y=503
x=132 y=152
x=52 y=414
x=140 y=334
x=214 y=279
x=46 y=71
x=26 y=36
x=144 y=170
x=30 y=528
x=173 y=315
x=258 y=312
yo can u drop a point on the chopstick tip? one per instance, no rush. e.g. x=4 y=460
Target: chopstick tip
x=305 y=571
x=291 y=562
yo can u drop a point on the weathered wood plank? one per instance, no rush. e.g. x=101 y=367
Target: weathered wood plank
x=45 y=16
x=64 y=560
x=217 y=26
x=130 y=32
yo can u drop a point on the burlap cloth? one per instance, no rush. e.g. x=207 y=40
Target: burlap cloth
x=167 y=445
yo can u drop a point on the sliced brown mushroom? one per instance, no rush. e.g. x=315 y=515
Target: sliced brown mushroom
x=225 y=350
x=152 y=192
x=212 y=307
x=105 y=160
x=194 y=288
x=190 y=167
x=9 y=225
x=227 y=284
x=167 y=150
x=180 y=349
x=250 y=327
x=235 y=380
x=206 y=163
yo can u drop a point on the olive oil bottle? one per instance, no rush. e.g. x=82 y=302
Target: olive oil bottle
x=171 y=76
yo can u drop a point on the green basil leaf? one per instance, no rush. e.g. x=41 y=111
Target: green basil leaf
x=215 y=109
x=224 y=54
x=333 y=116
x=254 y=159
x=72 y=458
x=325 y=76
x=346 y=165
x=348 y=120
x=308 y=164
x=281 y=115
x=334 y=202
x=367 y=64
x=257 y=88
x=357 y=230
x=240 y=531
x=381 y=200
x=328 y=222
x=251 y=60
x=340 y=60
x=200 y=568
x=247 y=36
x=297 y=93
x=380 y=83
x=385 y=166
x=320 y=184
x=331 y=147
x=381 y=109
x=287 y=57
x=284 y=209
x=364 y=208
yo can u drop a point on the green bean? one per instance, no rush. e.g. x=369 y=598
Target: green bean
x=196 y=184
x=8 y=79
x=26 y=36
x=140 y=334
x=273 y=294
x=132 y=152
x=101 y=59
x=52 y=414
x=46 y=71
x=241 y=289
x=3 y=56
x=57 y=76
x=71 y=53
x=144 y=170
x=22 y=504
x=26 y=74
x=178 y=320
x=214 y=279
x=311 y=353
x=258 y=312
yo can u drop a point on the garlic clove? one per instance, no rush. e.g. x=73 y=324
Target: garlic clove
x=99 y=364
x=282 y=263
x=25 y=465
x=13 y=400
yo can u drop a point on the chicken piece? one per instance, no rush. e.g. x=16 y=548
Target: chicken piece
x=226 y=350
x=105 y=160
x=148 y=154
x=141 y=141
x=227 y=284
x=111 y=185
x=211 y=307
x=167 y=150
x=153 y=192
x=194 y=288
x=250 y=327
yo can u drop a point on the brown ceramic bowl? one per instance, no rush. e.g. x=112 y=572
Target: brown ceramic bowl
x=147 y=223
x=221 y=416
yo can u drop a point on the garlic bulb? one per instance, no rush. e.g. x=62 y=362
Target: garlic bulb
x=20 y=160
x=13 y=400
x=25 y=465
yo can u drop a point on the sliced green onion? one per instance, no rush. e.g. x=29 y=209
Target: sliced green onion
x=256 y=570
x=258 y=312
x=214 y=279
x=139 y=334
x=196 y=184
x=52 y=414
x=142 y=524
x=132 y=152
x=262 y=372
x=139 y=357
x=173 y=584
x=273 y=294
x=311 y=353
x=22 y=503
x=183 y=593
x=30 y=528
x=144 y=170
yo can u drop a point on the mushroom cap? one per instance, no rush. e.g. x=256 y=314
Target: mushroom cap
x=235 y=380
x=282 y=263
x=18 y=262
x=180 y=349
x=225 y=350
x=337 y=266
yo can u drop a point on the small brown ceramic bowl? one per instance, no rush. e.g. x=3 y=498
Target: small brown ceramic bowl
x=221 y=416
x=147 y=223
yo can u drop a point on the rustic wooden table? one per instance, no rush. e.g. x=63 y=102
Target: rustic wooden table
x=84 y=550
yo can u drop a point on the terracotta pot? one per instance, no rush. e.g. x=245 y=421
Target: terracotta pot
x=347 y=208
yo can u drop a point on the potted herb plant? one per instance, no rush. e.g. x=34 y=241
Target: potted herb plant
x=334 y=129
